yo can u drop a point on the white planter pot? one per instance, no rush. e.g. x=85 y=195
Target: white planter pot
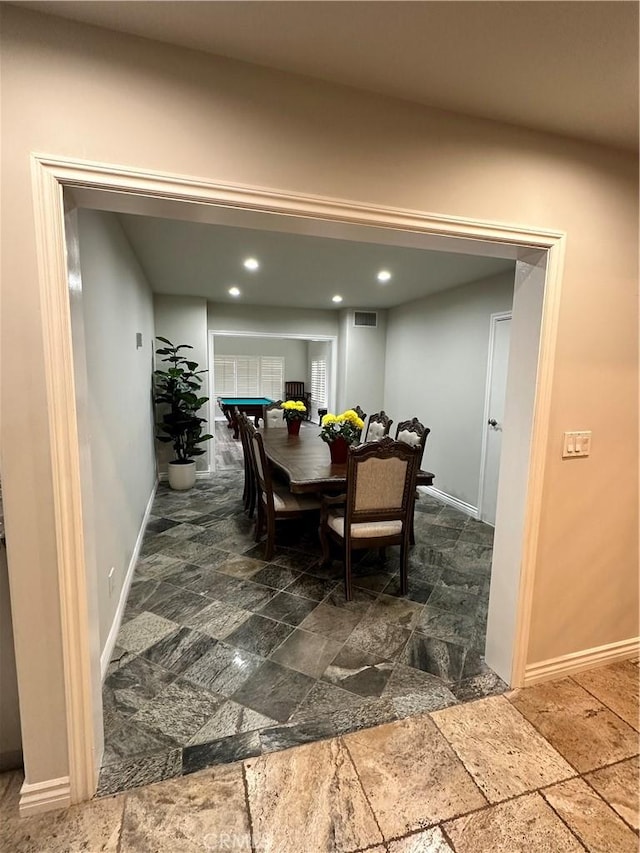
x=182 y=475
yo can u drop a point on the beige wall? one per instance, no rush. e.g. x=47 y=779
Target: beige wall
x=85 y=93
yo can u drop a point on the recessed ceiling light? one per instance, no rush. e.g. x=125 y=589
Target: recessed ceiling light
x=383 y=275
x=251 y=264
x=234 y=291
x=336 y=298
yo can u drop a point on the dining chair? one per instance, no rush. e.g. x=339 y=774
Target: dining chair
x=378 y=426
x=275 y=502
x=376 y=511
x=249 y=491
x=273 y=416
x=414 y=433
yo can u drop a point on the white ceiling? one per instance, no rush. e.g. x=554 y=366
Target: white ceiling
x=197 y=259
x=564 y=67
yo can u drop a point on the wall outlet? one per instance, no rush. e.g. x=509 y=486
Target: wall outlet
x=576 y=444
x=111 y=578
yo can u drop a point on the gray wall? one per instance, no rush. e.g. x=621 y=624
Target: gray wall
x=183 y=320
x=362 y=350
x=116 y=304
x=437 y=351
x=235 y=317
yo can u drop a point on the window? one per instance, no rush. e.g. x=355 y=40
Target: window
x=319 y=382
x=249 y=376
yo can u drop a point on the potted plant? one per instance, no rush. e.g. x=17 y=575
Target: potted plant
x=339 y=431
x=293 y=412
x=178 y=388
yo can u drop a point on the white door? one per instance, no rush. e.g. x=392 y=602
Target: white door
x=494 y=409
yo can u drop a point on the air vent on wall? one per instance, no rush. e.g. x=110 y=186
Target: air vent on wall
x=365 y=318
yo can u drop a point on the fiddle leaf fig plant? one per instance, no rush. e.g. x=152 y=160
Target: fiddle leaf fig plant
x=178 y=388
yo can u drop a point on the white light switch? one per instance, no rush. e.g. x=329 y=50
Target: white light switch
x=576 y=444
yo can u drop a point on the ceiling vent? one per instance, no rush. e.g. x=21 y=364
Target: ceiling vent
x=365 y=318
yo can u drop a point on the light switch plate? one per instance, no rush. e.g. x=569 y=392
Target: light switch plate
x=576 y=444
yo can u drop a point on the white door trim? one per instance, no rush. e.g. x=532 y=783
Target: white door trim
x=493 y=320
x=50 y=176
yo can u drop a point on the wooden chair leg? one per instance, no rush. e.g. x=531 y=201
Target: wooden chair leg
x=324 y=544
x=271 y=538
x=404 y=568
x=412 y=537
x=259 y=521
x=348 y=586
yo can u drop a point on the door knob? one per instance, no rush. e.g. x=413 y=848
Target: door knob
x=492 y=422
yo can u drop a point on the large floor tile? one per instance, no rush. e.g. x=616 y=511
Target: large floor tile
x=274 y=691
x=204 y=812
x=91 y=827
x=358 y=671
x=617 y=686
x=415 y=692
x=411 y=775
x=219 y=619
x=138 y=770
x=309 y=799
x=520 y=826
x=503 y=752
x=292 y=609
x=143 y=631
x=331 y=621
x=429 y=841
x=179 y=711
x=179 y=650
x=259 y=635
x=223 y=669
x=306 y=652
x=580 y=727
x=231 y=719
x=593 y=821
x=618 y=785
x=132 y=685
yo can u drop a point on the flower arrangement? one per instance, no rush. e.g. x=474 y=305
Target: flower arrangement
x=293 y=410
x=346 y=425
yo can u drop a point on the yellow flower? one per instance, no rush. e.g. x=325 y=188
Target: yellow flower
x=293 y=406
x=329 y=419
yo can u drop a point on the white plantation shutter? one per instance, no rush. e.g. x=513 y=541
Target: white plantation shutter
x=249 y=376
x=271 y=376
x=225 y=376
x=319 y=382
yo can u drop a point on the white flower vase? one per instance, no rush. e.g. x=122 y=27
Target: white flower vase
x=182 y=475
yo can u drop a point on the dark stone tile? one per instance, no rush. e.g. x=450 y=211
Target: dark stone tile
x=307 y=653
x=140 y=592
x=330 y=621
x=128 y=688
x=315 y=589
x=360 y=603
x=291 y=609
x=451 y=518
x=179 y=650
x=425 y=561
x=190 y=552
x=130 y=738
x=239 y=566
x=174 y=603
x=379 y=638
x=373 y=581
x=443 y=538
x=447 y=625
x=415 y=692
x=159 y=525
x=184 y=530
x=274 y=691
x=222 y=751
x=237 y=543
x=245 y=594
x=128 y=773
x=154 y=543
x=446 y=660
x=461 y=581
x=469 y=557
x=296 y=560
x=485 y=683
x=277 y=577
x=454 y=600
x=358 y=671
x=178 y=711
x=477 y=531
x=398 y=611
x=231 y=719
x=223 y=669
x=259 y=635
x=334 y=571
x=219 y=619
x=345 y=721
x=206 y=580
x=323 y=699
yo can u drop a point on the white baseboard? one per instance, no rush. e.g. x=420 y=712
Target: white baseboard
x=44 y=796
x=450 y=500
x=105 y=657
x=578 y=661
x=200 y=475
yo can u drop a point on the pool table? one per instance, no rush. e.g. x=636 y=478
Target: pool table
x=249 y=405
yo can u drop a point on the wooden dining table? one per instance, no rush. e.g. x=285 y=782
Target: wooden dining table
x=305 y=462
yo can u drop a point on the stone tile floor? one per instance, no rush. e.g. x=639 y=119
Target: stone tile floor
x=222 y=656
x=552 y=769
